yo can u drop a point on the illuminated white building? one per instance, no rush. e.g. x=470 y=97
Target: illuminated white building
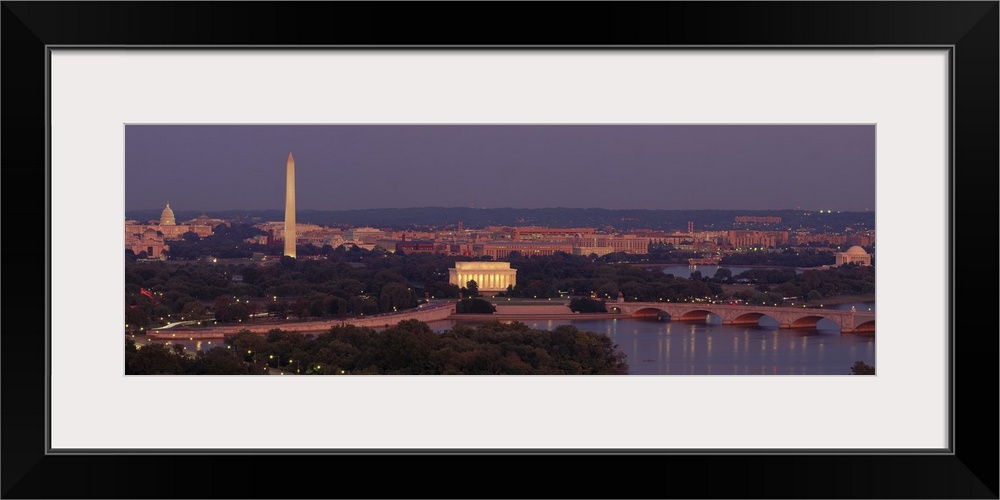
x=491 y=277
x=853 y=255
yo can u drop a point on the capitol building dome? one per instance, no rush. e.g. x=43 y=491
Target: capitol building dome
x=167 y=217
x=151 y=238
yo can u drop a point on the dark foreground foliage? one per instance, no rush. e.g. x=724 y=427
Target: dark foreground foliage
x=409 y=348
x=861 y=368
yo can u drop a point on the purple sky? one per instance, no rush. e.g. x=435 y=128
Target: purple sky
x=232 y=167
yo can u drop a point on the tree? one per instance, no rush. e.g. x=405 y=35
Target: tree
x=154 y=359
x=538 y=289
x=218 y=361
x=369 y=306
x=396 y=296
x=278 y=309
x=788 y=290
x=723 y=275
x=472 y=288
x=475 y=306
x=194 y=308
x=130 y=350
x=386 y=276
x=136 y=317
x=607 y=289
x=861 y=368
x=587 y=305
x=414 y=326
x=229 y=309
x=349 y=286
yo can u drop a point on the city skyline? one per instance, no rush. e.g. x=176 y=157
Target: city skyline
x=656 y=167
x=559 y=274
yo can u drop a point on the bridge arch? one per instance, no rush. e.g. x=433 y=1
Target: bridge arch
x=699 y=316
x=866 y=327
x=694 y=315
x=818 y=321
x=807 y=321
x=732 y=314
x=652 y=314
x=752 y=319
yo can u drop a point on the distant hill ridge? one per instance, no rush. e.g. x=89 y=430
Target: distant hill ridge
x=442 y=217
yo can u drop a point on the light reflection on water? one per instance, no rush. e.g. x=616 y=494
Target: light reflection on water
x=676 y=348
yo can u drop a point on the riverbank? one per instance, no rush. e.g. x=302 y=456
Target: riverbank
x=840 y=299
x=522 y=310
x=532 y=317
x=426 y=314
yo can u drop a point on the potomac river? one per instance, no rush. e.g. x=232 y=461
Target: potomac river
x=681 y=348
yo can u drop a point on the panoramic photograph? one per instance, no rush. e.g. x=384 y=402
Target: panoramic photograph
x=466 y=249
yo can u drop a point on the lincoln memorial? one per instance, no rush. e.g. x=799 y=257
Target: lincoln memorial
x=491 y=277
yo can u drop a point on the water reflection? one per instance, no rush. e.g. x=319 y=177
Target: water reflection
x=751 y=350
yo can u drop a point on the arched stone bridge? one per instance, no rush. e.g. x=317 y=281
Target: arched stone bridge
x=787 y=317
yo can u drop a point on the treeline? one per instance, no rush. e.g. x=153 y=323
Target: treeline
x=359 y=282
x=348 y=283
x=226 y=242
x=843 y=280
x=771 y=286
x=788 y=257
x=547 y=276
x=409 y=348
x=657 y=253
x=445 y=217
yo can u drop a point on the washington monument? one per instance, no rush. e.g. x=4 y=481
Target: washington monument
x=290 y=207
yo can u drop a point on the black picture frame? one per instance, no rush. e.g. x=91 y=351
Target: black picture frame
x=970 y=28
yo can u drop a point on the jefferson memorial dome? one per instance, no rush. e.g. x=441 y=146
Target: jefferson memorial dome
x=854 y=255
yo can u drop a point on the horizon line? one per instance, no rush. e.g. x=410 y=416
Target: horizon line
x=519 y=208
